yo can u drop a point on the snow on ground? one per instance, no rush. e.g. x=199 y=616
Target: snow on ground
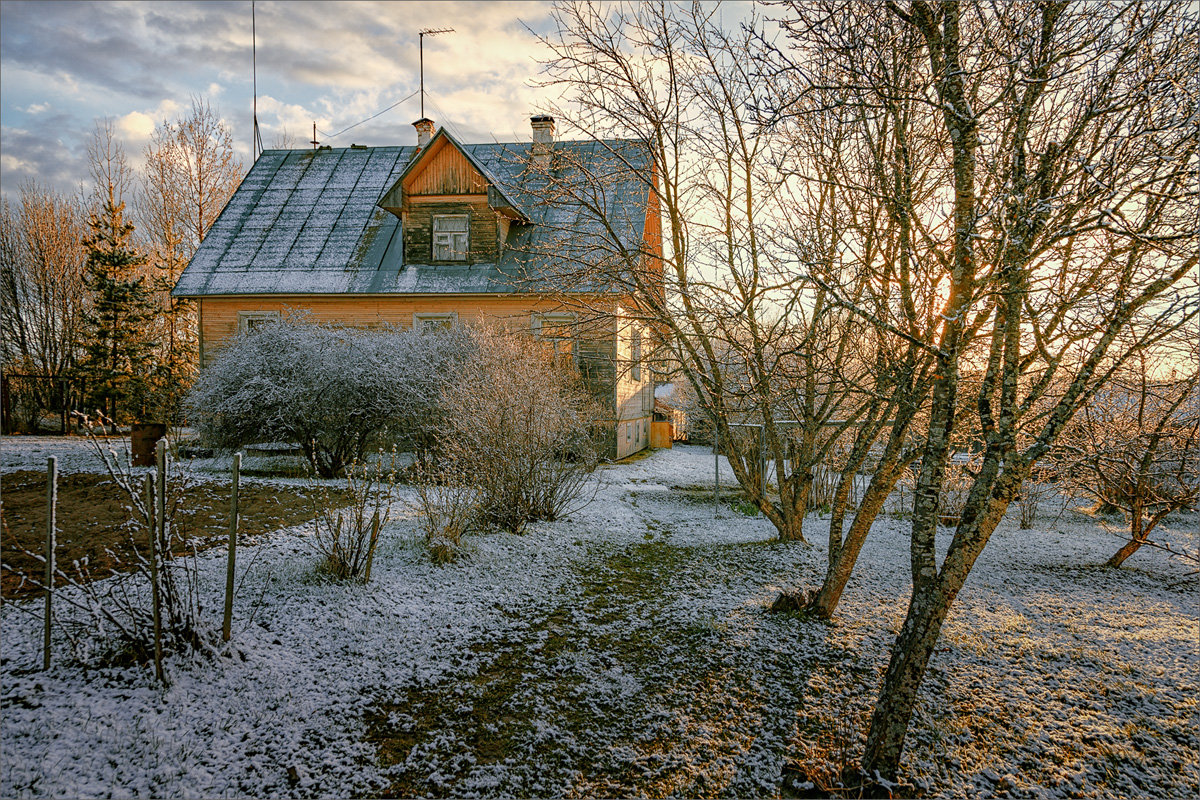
x=625 y=650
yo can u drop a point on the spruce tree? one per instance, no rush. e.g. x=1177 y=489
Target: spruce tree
x=118 y=356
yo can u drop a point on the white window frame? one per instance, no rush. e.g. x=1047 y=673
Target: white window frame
x=249 y=320
x=428 y=320
x=457 y=244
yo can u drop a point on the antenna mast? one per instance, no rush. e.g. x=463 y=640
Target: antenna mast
x=421 y=38
x=256 y=146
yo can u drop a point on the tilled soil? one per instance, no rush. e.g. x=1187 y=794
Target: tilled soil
x=93 y=522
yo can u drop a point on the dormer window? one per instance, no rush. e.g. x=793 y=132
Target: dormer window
x=451 y=237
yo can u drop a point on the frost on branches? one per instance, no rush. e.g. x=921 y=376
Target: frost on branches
x=334 y=391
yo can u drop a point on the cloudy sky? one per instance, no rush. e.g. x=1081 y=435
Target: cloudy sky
x=63 y=65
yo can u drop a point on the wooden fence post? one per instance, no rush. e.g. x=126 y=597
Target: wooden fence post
x=148 y=493
x=51 y=502
x=227 y=623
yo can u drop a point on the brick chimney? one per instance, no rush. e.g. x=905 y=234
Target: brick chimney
x=543 y=139
x=424 y=128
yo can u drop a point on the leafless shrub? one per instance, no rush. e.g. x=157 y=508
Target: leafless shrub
x=448 y=506
x=346 y=535
x=119 y=609
x=955 y=490
x=518 y=425
x=1034 y=489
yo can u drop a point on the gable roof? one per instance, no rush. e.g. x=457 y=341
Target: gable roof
x=308 y=222
x=423 y=156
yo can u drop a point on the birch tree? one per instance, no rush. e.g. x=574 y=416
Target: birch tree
x=189 y=175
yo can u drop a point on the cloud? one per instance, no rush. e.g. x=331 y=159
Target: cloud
x=337 y=63
x=136 y=126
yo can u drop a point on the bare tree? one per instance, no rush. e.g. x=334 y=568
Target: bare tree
x=1135 y=448
x=757 y=342
x=1067 y=141
x=42 y=262
x=190 y=173
x=112 y=177
x=843 y=97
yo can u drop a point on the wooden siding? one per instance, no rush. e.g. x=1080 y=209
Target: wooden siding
x=634 y=399
x=484 y=243
x=629 y=402
x=219 y=315
x=445 y=171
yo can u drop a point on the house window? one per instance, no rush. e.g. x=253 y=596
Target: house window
x=250 y=321
x=451 y=237
x=558 y=329
x=635 y=353
x=430 y=322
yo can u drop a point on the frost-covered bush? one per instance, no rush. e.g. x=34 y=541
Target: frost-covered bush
x=335 y=392
x=521 y=426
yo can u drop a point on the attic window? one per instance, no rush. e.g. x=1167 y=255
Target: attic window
x=451 y=239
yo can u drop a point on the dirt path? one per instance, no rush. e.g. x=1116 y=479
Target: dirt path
x=652 y=675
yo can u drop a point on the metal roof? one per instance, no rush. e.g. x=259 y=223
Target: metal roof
x=307 y=222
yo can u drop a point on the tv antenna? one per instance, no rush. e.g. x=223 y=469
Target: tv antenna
x=314 y=141
x=421 y=39
x=256 y=145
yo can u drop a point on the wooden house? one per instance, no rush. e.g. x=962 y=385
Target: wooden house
x=445 y=233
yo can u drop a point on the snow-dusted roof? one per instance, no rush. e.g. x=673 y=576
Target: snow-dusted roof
x=307 y=222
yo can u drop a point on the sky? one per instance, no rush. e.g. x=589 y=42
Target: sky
x=64 y=65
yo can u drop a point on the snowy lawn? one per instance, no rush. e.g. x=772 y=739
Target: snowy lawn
x=626 y=651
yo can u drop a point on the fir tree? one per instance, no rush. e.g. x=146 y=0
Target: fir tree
x=118 y=356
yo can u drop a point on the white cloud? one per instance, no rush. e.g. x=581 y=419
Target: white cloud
x=135 y=126
x=37 y=108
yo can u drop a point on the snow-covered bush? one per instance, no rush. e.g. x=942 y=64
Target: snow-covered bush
x=521 y=426
x=335 y=392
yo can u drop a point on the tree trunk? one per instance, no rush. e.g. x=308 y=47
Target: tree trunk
x=910 y=657
x=1137 y=537
x=841 y=564
x=1128 y=549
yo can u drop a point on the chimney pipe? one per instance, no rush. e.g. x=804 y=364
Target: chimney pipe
x=424 y=128
x=543 y=139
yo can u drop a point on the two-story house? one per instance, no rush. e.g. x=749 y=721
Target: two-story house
x=446 y=233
